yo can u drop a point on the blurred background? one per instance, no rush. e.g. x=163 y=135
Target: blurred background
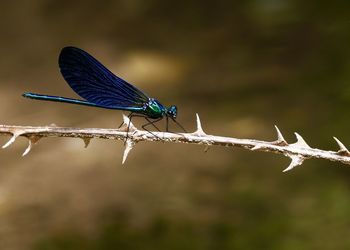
x=242 y=65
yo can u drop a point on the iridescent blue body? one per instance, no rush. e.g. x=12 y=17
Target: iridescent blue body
x=99 y=87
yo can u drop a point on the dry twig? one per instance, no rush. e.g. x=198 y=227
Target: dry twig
x=298 y=152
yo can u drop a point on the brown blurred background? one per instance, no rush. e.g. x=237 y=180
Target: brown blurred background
x=242 y=65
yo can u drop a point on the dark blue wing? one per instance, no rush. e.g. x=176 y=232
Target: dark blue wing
x=95 y=83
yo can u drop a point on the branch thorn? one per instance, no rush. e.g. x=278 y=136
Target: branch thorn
x=280 y=139
x=296 y=161
x=342 y=149
x=207 y=146
x=127 y=124
x=300 y=141
x=129 y=144
x=86 y=141
x=32 y=140
x=12 y=139
x=199 y=130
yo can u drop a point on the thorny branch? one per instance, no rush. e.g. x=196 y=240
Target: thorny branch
x=297 y=152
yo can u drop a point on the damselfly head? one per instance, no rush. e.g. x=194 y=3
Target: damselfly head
x=172 y=111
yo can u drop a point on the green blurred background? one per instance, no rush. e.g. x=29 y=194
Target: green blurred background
x=242 y=65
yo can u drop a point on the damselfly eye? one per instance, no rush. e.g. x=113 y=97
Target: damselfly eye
x=172 y=111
